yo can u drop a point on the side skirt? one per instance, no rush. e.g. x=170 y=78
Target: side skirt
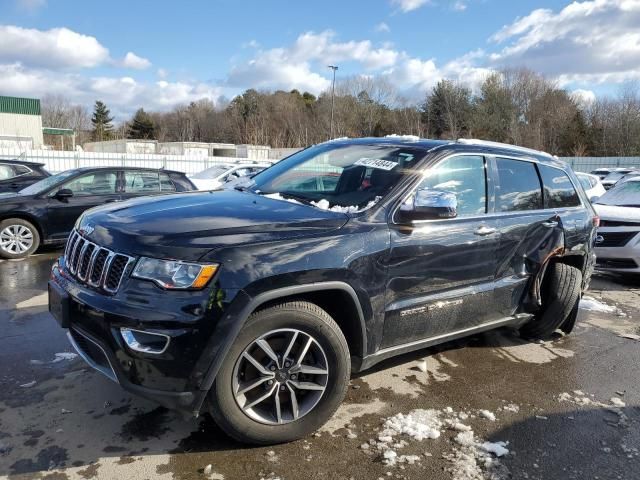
x=383 y=354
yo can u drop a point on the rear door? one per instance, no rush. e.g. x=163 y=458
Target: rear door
x=529 y=232
x=89 y=190
x=441 y=272
x=14 y=177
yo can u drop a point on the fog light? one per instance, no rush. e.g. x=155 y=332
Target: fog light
x=145 y=342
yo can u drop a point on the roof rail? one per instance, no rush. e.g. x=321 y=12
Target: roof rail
x=487 y=143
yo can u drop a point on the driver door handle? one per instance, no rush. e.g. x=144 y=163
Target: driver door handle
x=484 y=230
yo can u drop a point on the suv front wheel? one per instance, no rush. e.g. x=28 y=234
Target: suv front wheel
x=284 y=376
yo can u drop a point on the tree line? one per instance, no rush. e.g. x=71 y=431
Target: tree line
x=513 y=106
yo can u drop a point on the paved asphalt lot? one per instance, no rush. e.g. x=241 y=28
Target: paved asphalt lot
x=551 y=401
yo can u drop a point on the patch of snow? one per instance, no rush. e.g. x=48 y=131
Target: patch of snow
x=277 y=196
x=28 y=384
x=592 y=305
x=511 y=407
x=497 y=448
x=422 y=366
x=59 y=357
x=325 y=205
x=413 y=138
x=617 y=402
x=466 y=439
x=207 y=469
x=488 y=415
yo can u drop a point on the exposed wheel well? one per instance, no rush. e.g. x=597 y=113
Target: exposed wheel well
x=576 y=261
x=340 y=306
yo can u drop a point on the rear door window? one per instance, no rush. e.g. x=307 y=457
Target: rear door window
x=140 y=181
x=518 y=187
x=559 y=191
x=6 y=172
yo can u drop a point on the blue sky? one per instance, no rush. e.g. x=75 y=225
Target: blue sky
x=158 y=54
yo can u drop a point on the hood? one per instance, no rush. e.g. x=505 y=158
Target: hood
x=613 y=212
x=186 y=226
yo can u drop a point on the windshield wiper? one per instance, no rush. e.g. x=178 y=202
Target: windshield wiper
x=295 y=196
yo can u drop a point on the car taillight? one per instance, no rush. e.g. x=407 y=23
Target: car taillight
x=596 y=221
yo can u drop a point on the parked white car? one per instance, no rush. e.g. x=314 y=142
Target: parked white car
x=591 y=184
x=618 y=238
x=215 y=177
x=601 y=172
x=611 y=179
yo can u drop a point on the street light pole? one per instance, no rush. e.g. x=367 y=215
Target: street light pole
x=333 y=94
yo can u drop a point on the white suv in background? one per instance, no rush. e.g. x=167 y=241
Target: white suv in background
x=214 y=177
x=591 y=184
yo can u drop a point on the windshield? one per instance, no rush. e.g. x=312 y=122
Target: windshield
x=626 y=194
x=338 y=177
x=210 y=173
x=46 y=183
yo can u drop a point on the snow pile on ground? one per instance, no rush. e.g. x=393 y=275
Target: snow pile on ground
x=324 y=205
x=578 y=397
x=592 y=305
x=471 y=458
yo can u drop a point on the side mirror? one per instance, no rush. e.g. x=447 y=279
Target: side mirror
x=427 y=204
x=64 y=193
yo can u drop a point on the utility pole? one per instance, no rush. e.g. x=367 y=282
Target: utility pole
x=333 y=94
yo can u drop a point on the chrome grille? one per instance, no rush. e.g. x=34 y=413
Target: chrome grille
x=95 y=265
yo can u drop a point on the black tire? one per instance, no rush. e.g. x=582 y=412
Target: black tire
x=309 y=319
x=561 y=289
x=13 y=223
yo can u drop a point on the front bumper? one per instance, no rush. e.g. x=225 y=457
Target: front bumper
x=194 y=323
x=622 y=259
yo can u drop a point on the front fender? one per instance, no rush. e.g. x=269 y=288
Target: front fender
x=236 y=316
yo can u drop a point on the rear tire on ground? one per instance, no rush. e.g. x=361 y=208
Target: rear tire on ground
x=303 y=341
x=561 y=289
x=18 y=238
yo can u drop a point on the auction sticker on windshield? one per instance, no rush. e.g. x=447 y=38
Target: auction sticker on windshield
x=376 y=163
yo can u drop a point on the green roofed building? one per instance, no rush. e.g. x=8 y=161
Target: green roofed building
x=20 y=123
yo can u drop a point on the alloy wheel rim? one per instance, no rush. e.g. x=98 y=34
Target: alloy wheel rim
x=280 y=377
x=16 y=239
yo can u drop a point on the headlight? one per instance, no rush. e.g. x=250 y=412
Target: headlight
x=174 y=275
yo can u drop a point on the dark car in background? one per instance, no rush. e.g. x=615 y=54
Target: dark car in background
x=257 y=303
x=45 y=212
x=16 y=174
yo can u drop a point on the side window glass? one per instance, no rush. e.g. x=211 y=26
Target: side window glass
x=166 y=185
x=21 y=170
x=6 y=172
x=141 y=182
x=95 y=183
x=518 y=187
x=558 y=189
x=464 y=176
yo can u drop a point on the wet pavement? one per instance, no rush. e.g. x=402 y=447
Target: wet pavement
x=566 y=409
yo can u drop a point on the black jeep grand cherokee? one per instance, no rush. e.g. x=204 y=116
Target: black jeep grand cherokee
x=258 y=303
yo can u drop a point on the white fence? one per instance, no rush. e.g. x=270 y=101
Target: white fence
x=58 y=161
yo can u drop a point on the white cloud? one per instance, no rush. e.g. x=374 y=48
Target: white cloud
x=583 y=97
x=55 y=48
x=31 y=5
x=409 y=5
x=162 y=73
x=292 y=67
x=459 y=6
x=131 y=60
x=592 y=41
x=122 y=94
x=382 y=27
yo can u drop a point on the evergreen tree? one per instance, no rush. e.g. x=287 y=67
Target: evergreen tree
x=101 y=121
x=141 y=126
